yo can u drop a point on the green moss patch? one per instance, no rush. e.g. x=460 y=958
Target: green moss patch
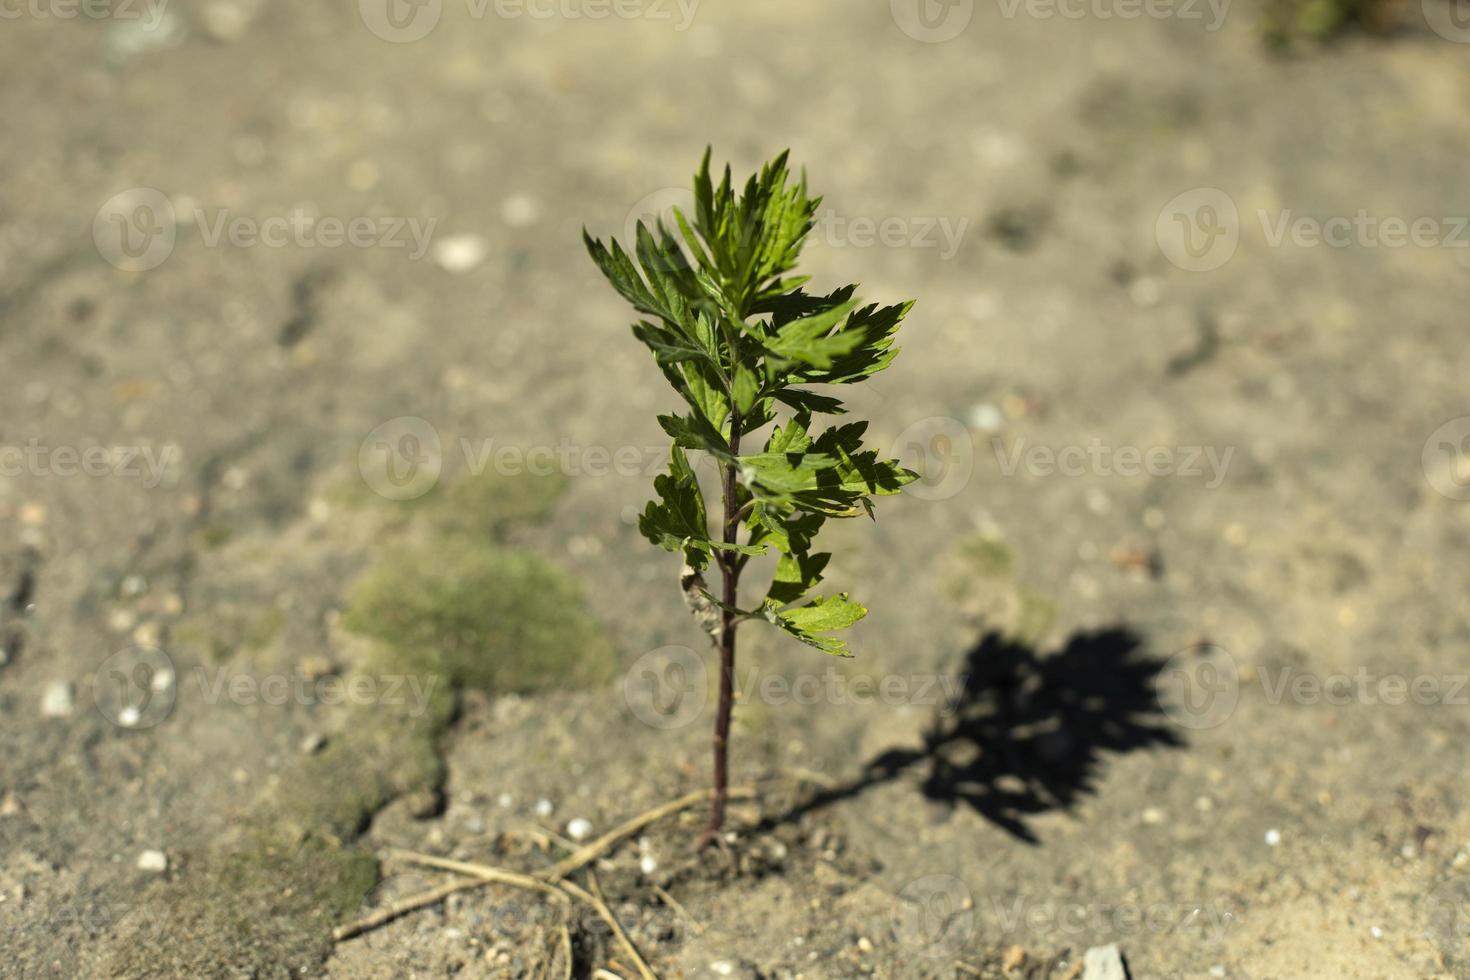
x=486 y=617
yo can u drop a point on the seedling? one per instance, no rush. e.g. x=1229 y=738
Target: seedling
x=739 y=338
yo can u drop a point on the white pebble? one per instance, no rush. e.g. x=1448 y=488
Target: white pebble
x=153 y=861
x=520 y=210
x=579 y=829
x=987 y=418
x=1273 y=837
x=129 y=716
x=57 y=701
x=544 y=808
x=505 y=801
x=722 y=968
x=648 y=864
x=460 y=253
x=1376 y=932
x=1153 y=815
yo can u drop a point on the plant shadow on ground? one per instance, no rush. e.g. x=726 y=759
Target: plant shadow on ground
x=1028 y=732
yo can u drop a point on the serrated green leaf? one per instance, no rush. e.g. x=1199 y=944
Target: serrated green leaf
x=820 y=616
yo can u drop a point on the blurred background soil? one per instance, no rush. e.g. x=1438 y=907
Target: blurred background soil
x=1101 y=724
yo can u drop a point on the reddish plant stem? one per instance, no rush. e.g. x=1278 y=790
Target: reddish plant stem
x=730 y=570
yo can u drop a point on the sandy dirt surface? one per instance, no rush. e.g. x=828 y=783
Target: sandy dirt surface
x=1168 y=650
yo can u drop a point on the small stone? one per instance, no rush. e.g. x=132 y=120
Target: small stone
x=505 y=801
x=579 y=829
x=315 y=666
x=363 y=175
x=225 y=22
x=648 y=864
x=56 y=701
x=1218 y=970
x=460 y=253
x=1273 y=837
x=1104 y=963
x=32 y=514
x=1153 y=815
x=133 y=586
x=121 y=620
x=147 y=634
x=313 y=743
x=153 y=861
x=1013 y=960
x=722 y=968
x=1145 y=291
x=520 y=210
x=865 y=945
x=544 y=808
x=986 y=417
x=475 y=824
x=1375 y=932
x=10 y=806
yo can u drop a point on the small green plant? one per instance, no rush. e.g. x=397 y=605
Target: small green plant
x=742 y=342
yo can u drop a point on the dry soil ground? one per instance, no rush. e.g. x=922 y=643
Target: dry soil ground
x=1168 y=650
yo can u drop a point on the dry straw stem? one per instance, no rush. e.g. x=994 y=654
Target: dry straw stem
x=548 y=881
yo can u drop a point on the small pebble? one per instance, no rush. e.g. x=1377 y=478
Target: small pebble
x=153 y=861
x=987 y=418
x=505 y=801
x=1153 y=815
x=648 y=864
x=1217 y=970
x=313 y=743
x=544 y=808
x=1273 y=837
x=579 y=829
x=57 y=700
x=129 y=716
x=1376 y=932
x=520 y=210
x=460 y=253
